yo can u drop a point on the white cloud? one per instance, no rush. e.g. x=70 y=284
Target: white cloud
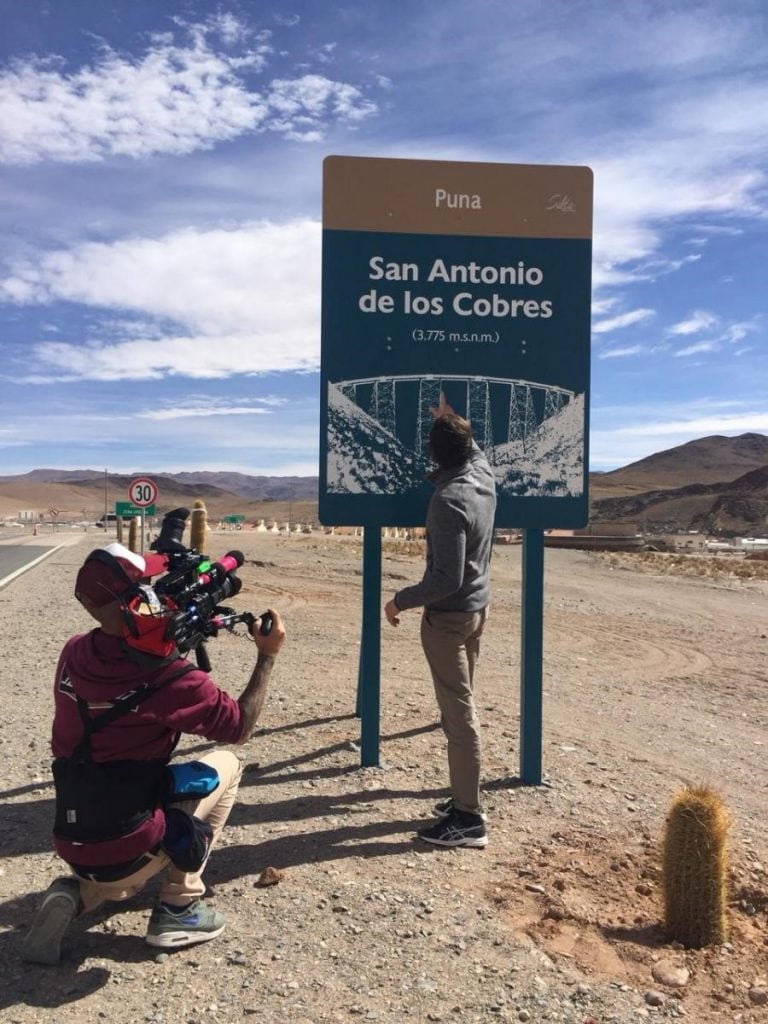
x=699 y=320
x=701 y=426
x=620 y=353
x=645 y=431
x=635 y=316
x=288 y=20
x=207 y=408
x=94 y=423
x=298 y=106
x=738 y=331
x=697 y=347
x=197 y=357
x=174 y=99
x=603 y=305
x=245 y=300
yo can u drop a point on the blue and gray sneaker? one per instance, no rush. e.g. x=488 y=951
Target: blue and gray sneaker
x=172 y=928
x=60 y=906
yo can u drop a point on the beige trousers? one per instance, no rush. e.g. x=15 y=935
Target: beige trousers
x=451 y=642
x=177 y=887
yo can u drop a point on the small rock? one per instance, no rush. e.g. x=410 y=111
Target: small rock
x=269 y=876
x=654 y=998
x=524 y=1015
x=671 y=975
x=758 y=996
x=532 y=887
x=556 y=911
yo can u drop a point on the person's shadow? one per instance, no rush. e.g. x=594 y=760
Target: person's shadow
x=22 y=983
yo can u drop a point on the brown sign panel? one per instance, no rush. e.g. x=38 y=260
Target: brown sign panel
x=435 y=197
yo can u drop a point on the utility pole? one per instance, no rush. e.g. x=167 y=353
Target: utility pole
x=105 y=503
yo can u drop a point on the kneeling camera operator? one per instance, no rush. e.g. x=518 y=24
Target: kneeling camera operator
x=123 y=694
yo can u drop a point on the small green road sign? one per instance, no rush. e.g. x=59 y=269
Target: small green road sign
x=233 y=519
x=126 y=509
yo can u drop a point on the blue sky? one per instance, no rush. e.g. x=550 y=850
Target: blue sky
x=161 y=201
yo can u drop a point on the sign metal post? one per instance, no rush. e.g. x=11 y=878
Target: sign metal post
x=531 y=652
x=370 y=653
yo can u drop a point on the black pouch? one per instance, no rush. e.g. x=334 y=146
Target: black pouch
x=106 y=800
x=187 y=839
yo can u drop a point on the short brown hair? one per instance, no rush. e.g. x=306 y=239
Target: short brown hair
x=450 y=441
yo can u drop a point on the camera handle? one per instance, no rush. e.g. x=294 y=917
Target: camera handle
x=226 y=619
x=201 y=657
x=267 y=622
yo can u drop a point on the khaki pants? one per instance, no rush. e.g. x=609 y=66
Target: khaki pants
x=451 y=642
x=177 y=887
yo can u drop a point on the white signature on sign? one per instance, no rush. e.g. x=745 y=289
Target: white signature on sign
x=562 y=203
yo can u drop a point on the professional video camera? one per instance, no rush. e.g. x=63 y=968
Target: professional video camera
x=182 y=609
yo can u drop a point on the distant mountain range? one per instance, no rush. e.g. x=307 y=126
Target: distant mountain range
x=708 y=460
x=86 y=494
x=264 y=488
x=714 y=484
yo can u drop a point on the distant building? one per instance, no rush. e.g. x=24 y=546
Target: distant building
x=692 y=543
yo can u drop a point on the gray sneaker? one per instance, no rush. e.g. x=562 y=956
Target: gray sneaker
x=60 y=906
x=171 y=929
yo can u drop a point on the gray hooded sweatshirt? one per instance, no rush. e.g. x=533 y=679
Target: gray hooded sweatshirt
x=459 y=538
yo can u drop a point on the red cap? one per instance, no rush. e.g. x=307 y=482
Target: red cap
x=107 y=574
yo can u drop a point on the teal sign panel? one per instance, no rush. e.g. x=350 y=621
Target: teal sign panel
x=126 y=509
x=466 y=285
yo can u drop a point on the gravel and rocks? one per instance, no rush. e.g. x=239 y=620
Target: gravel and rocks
x=335 y=913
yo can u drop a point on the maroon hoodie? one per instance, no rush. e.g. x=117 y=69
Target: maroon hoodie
x=96 y=667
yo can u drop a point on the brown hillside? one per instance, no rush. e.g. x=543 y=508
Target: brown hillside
x=740 y=506
x=708 y=460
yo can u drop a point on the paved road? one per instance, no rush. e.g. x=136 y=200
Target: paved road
x=16 y=556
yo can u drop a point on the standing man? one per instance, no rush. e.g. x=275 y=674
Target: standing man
x=454 y=593
x=132 y=833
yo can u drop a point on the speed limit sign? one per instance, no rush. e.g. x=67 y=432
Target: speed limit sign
x=142 y=491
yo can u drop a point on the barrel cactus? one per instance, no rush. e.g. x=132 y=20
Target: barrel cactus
x=694 y=868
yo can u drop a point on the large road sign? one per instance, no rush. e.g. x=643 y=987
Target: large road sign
x=469 y=281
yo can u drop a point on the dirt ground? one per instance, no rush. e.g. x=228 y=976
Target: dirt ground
x=651 y=681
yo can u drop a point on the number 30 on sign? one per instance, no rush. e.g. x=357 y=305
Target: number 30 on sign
x=142 y=491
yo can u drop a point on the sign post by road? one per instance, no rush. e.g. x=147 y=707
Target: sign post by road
x=471 y=282
x=143 y=492
x=234 y=520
